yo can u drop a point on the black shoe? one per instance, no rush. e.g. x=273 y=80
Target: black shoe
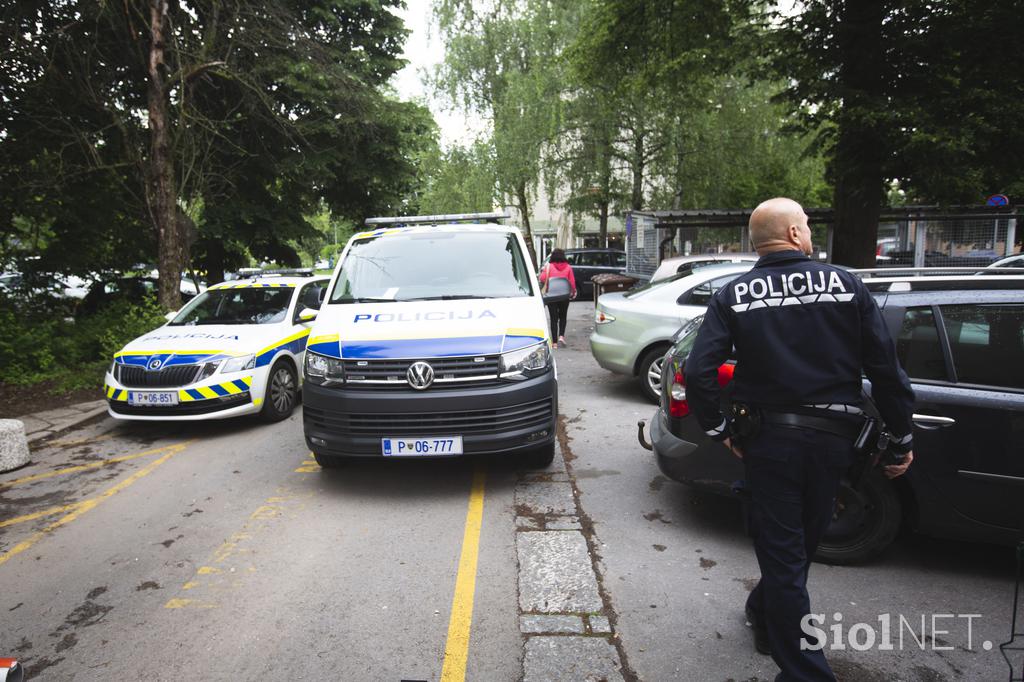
x=760 y=633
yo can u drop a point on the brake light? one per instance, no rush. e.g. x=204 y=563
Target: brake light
x=677 y=405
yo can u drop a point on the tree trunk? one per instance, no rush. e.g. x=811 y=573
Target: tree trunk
x=161 y=195
x=602 y=218
x=859 y=155
x=636 y=201
x=524 y=211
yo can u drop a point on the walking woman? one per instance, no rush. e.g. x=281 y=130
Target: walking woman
x=558 y=268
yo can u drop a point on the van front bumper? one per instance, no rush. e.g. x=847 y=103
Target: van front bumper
x=517 y=416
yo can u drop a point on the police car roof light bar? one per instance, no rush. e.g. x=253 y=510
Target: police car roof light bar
x=253 y=273
x=437 y=219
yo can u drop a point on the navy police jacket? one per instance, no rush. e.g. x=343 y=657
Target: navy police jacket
x=803 y=332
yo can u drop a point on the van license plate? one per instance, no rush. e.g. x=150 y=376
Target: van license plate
x=421 y=447
x=153 y=398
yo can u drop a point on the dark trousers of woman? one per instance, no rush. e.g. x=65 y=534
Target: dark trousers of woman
x=559 y=316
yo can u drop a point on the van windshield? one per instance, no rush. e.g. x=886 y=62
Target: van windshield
x=419 y=266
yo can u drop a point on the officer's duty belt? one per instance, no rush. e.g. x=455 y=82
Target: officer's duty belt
x=840 y=427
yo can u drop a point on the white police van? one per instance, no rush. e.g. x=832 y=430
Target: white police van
x=432 y=342
x=234 y=349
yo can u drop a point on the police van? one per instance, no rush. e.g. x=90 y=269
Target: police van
x=432 y=341
x=234 y=349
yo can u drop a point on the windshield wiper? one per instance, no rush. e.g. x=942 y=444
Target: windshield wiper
x=363 y=299
x=445 y=297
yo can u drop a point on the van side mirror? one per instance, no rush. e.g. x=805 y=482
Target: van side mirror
x=323 y=294
x=171 y=315
x=306 y=315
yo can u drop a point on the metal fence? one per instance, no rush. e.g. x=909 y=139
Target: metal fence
x=949 y=241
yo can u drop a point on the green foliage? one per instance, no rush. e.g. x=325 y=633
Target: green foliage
x=72 y=353
x=459 y=180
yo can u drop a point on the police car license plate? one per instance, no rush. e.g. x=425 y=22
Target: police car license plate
x=421 y=447
x=153 y=398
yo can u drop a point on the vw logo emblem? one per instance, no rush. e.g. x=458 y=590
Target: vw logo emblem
x=420 y=375
x=154 y=364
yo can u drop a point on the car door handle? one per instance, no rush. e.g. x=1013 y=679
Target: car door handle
x=932 y=421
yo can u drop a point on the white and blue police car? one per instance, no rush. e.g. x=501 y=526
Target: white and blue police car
x=236 y=348
x=432 y=341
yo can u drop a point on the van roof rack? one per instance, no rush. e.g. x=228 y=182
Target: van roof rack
x=437 y=219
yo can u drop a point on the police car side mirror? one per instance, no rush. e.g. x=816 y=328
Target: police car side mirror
x=306 y=315
x=171 y=315
x=323 y=294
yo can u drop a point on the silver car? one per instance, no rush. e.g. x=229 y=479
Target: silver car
x=633 y=329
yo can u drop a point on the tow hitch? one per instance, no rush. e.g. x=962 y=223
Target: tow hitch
x=640 y=435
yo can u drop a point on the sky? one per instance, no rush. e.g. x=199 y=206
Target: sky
x=423 y=50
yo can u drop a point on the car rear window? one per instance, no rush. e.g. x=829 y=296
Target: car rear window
x=987 y=342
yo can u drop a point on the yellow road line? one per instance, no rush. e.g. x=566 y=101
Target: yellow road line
x=39 y=514
x=177 y=447
x=87 y=505
x=456 y=649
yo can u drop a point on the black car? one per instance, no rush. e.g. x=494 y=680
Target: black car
x=589 y=262
x=963 y=349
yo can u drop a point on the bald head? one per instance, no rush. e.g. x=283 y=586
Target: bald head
x=779 y=224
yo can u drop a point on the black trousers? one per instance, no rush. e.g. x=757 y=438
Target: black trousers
x=793 y=477
x=559 y=316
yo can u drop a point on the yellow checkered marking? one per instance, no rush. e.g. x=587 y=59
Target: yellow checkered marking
x=183 y=394
x=249 y=285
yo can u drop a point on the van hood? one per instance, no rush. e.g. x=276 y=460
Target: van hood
x=428 y=329
x=169 y=346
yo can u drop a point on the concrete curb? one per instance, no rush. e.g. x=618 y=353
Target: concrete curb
x=43 y=425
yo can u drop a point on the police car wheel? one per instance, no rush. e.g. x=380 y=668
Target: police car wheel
x=650 y=373
x=282 y=392
x=865 y=522
x=542 y=457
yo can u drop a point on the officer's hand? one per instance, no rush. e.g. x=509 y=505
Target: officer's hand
x=894 y=470
x=735 y=449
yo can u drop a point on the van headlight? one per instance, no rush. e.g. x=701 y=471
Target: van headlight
x=525 y=362
x=238 y=364
x=323 y=370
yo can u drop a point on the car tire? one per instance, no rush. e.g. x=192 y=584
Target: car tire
x=649 y=373
x=542 y=457
x=282 y=392
x=328 y=462
x=866 y=521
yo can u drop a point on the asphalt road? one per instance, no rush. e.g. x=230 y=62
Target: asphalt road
x=218 y=550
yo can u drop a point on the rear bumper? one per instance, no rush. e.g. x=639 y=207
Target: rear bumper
x=611 y=353
x=350 y=422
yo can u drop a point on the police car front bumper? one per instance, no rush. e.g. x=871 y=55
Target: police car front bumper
x=513 y=417
x=220 y=397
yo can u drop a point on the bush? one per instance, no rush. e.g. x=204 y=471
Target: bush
x=71 y=352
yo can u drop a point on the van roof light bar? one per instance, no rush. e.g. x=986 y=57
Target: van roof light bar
x=437 y=219
x=255 y=273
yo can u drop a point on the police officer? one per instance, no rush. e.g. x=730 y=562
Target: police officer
x=802 y=332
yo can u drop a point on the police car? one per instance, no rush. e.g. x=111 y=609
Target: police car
x=432 y=342
x=234 y=349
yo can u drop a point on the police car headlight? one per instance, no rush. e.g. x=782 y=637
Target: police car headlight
x=238 y=364
x=323 y=370
x=518 y=364
x=208 y=369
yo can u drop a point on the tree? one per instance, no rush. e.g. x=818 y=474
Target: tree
x=459 y=180
x=255 y=112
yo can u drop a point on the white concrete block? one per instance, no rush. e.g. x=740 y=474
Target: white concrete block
x=13 y=444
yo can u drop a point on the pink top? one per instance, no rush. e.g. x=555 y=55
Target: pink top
x=558 y=270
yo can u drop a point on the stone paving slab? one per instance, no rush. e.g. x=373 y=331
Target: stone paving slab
x=600 y=625
x=44 y=424
x=534 y=625
x=542 y=497
x=570 y=659
x=569 y=523
x=555 y=573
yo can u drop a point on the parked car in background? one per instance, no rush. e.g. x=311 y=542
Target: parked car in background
x=686 y=265
x=589 y=262
x=107 y=290
x=633 y=329
x=1014 y=261
x=963 y=349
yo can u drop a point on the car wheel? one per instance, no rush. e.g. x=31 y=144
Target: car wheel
x=650 y=373
x=327 y=462
x=542 y=457
x=282 y=392
x=864 y=523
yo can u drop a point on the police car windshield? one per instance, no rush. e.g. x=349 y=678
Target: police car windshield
x=250 y=304
x=432 y=266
